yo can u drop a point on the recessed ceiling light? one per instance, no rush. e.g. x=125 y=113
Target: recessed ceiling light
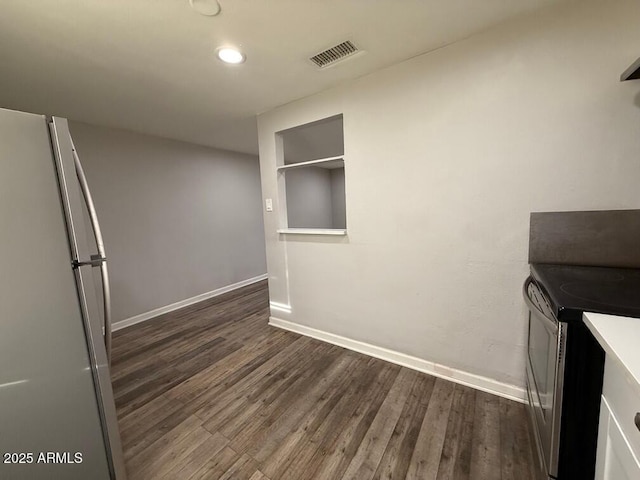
x=208 y=8
x=231 y=55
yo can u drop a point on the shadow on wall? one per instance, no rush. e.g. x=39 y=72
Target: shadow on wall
x=315 y=239
x=637 y=97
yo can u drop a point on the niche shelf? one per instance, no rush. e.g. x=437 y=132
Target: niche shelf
x=632 y=73
x=310 y=166
x=329 y=162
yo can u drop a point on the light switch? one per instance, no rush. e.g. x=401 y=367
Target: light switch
x=268 y=203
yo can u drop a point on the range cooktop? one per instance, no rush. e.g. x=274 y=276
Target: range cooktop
x=577 y=289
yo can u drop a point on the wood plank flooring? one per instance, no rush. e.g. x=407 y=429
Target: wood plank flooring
x=212 y=392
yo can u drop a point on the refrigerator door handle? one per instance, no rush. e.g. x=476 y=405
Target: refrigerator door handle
x=106 y=297
x=69 y=183
x=98 y=260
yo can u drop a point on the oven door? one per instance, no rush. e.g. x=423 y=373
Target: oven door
x=545 y=374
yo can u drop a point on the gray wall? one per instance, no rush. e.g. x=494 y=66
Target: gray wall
x=338 y=198
x=309 y=198
x=178 y=219
x=321 y=139
x=315 y=198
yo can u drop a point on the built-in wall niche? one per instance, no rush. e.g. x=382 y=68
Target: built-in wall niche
x=311 y=178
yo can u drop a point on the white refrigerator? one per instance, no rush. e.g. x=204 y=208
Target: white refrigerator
x=57 y=412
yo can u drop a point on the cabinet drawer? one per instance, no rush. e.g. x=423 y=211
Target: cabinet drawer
x=624 y=401
x=615 y=461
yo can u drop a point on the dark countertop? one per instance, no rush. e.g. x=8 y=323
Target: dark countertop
x=575 y=289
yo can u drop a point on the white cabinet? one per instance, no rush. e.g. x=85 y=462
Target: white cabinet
x=618 y=436
x=615 y=460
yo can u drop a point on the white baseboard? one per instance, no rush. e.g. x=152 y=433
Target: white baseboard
x=478 y=382
x=127 y=322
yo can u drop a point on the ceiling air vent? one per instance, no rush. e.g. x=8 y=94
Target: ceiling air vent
x=334 y=54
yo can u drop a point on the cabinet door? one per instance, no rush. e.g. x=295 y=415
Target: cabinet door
x=615 y=460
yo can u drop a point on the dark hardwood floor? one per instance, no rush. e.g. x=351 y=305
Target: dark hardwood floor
x=212 y=392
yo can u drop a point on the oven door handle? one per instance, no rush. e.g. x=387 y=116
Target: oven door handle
x=550 y=323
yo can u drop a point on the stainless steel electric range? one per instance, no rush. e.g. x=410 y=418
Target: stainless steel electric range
x=565 y=364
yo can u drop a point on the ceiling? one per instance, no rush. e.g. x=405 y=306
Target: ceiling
x=149 y=65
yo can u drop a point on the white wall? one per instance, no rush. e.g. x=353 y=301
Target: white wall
x=178 y=219
x=445 y=156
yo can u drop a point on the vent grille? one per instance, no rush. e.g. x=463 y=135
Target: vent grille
x=334 y=54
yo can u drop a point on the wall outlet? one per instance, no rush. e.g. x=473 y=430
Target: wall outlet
x=268 y=205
